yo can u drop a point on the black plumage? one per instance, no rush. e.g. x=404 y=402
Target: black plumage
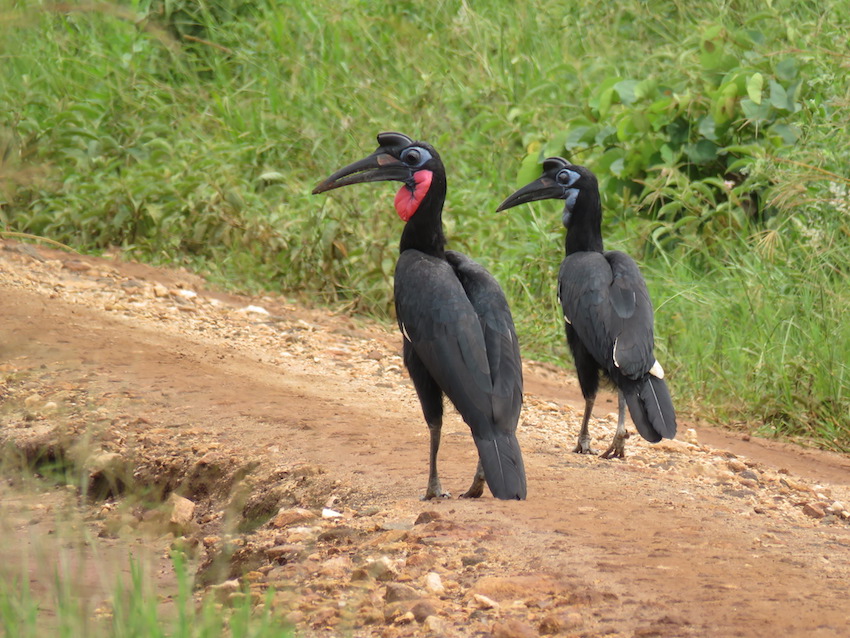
x=459 y=337
x=607 y=310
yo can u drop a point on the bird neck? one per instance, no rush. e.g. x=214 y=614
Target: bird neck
x=424 y=230
x=584 y=224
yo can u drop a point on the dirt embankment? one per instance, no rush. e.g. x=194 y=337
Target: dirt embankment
x=298 y=443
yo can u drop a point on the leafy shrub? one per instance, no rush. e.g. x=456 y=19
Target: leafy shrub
x=686 y=151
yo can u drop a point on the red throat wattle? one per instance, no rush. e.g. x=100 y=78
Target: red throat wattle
x=407 y=201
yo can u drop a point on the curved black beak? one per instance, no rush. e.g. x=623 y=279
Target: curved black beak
x=543 y=188
x=377 y=167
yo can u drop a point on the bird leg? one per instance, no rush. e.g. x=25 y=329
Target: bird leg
x=435 y=490
x=618 y=443
x=583 y=444
x=477 y=488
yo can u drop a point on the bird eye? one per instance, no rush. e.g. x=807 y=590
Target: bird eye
x=411 y=156
x=567 y=177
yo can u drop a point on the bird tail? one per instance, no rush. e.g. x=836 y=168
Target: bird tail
x=504 y=470
x=651 y=409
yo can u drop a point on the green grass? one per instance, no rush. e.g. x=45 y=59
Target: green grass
x=135 y=611
x=191 y=133
x=58 y=578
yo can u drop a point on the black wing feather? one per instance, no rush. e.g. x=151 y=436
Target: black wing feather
x=604 y=297
x=459 y=325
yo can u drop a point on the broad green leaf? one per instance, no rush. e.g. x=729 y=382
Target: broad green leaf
x=779 y=98
x=605 y=101
x=530 y=169
x=625 y=128
x=580 y=136
x=702 y=152
x=753 y=111
x=707 y=128
x=608 y=158
x=788 y=132
x=787 y=69
x=603 y=135
x=626 y=90
x=645 y=89
x=641 y=121
x=754 y=87
x=617 y=167
x=556 y=144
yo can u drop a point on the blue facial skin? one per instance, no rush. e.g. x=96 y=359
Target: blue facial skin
x=415 y=156
x=567 y=178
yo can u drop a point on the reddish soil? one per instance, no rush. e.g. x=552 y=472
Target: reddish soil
x=242 y=411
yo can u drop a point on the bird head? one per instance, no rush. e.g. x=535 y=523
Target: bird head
x=560 y=180
x=398 y=158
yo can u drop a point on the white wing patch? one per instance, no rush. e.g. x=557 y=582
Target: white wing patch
x=567 y=320
x=404 y=332
x=614 y=352
x=656 y=370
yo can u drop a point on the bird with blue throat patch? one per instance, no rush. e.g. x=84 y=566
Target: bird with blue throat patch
x=458 y=334
x=608 y=315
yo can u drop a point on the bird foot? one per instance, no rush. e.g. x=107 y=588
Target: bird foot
x=475 y=490
x=583 y=447
x=435 y=490
x=617 y=450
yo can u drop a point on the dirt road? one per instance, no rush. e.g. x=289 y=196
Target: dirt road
x=257 y=411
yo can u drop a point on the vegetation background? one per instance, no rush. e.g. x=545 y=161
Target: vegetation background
x=191 y=133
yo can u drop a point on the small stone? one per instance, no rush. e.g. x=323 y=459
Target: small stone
x=32 y=399
x=375 y=355
x=76 y=265
x=398 y=591
x=257 y=310
x=434 y=584
x=794 y=485
x=287 y=517
x=550 y=625
x=160 y=291
x=285 y=553
x=423 y=609
x=837 y=507
x=329 y=513
x=483 y=602
x=435 y=625
x=50 y=406
x=380 y=569
x=814 y=510
x=735 y=465
x=691 y=436
x=427 y=517
x=337 y=567
x=513 y=629
x=557 y=623
x=182 y=512
x=370 y=615
x=405 y=619
x=471 y=559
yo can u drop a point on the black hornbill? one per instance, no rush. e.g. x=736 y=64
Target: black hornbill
x=607 y=310
x=459 y=337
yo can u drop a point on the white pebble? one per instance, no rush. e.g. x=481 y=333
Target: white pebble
x=434 y=584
